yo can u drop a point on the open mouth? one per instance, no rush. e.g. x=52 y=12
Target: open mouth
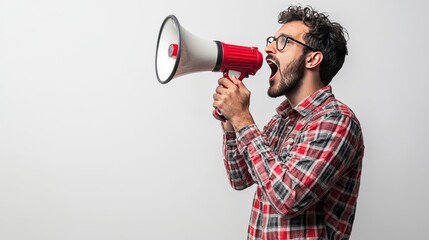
x=273 y=66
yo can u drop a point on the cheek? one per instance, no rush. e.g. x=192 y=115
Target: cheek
x=283 y=63
x=284 y=60
x=287 y=58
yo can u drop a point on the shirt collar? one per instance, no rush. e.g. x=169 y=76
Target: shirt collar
x=306 y=105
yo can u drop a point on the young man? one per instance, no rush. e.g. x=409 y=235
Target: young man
x=307 y=161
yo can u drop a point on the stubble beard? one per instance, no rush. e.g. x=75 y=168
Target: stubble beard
x=291 y=77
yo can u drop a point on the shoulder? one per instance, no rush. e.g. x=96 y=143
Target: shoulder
x=333 y=107
x=333 y=114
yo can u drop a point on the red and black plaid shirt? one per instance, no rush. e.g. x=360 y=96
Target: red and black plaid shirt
x=306 y=163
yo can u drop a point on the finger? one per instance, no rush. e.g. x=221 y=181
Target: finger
x=227 y=83
x=236 y=81
x=217 y=97
x=216 y=104
x=220 y=90
x=220 y=81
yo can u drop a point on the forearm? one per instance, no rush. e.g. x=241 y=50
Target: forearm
x=241 y=120
x=236 y=168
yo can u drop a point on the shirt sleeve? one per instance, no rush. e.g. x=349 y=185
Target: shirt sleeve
x=237 y=169
x=298 y=177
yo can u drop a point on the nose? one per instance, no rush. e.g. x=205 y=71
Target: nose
x=271 y=48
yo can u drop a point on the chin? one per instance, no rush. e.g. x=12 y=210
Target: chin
x=274 y=92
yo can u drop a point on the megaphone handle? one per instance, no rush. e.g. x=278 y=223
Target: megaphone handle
x=228 y=74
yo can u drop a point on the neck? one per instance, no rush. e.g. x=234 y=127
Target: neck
x=308 y=87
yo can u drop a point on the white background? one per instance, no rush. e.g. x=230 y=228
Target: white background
x=93 y=147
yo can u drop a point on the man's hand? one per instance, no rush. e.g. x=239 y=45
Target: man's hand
x=232 y=98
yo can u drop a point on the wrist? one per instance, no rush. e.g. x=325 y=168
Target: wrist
x=227 y=126
x=242 y=121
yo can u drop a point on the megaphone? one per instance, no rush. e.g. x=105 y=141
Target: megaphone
x=179 y=52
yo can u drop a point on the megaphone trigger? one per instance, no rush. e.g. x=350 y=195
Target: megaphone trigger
x=231 y=73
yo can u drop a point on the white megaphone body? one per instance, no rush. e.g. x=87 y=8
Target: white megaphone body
x=179 y=52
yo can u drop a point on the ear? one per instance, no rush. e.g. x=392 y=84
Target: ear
x=314 y=59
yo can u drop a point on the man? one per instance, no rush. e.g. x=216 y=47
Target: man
x=307 y=161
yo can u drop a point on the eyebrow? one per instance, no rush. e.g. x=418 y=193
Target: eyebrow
x=284 y=34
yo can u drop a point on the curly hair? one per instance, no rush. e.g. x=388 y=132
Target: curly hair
x=324 y=35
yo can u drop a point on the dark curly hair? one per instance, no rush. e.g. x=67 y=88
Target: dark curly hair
x=324 y=35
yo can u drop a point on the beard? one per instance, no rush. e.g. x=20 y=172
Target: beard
x=291 y=77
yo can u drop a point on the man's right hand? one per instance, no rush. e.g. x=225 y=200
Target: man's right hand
x=232 y=98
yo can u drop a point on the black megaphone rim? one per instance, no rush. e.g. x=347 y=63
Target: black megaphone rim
x=176 y=64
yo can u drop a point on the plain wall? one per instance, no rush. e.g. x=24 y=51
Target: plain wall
x=92 y=146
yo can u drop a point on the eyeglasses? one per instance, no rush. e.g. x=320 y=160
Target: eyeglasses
x=282 y=40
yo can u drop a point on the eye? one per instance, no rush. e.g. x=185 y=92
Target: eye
x=282 y=40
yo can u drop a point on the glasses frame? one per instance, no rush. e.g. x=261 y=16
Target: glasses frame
x=272 y=39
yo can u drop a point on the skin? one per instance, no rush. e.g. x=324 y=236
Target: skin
x=232 y=97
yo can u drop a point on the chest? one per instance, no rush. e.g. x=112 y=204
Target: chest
x=283 y=134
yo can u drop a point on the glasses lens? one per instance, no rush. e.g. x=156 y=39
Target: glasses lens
x=281 y=42
x=270 y=40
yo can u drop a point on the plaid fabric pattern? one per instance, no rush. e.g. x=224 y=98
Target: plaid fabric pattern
x=307 y=165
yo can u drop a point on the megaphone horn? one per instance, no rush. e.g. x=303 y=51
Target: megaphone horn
x=179 y=52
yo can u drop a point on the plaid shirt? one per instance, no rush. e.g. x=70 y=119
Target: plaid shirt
x=306 y=163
